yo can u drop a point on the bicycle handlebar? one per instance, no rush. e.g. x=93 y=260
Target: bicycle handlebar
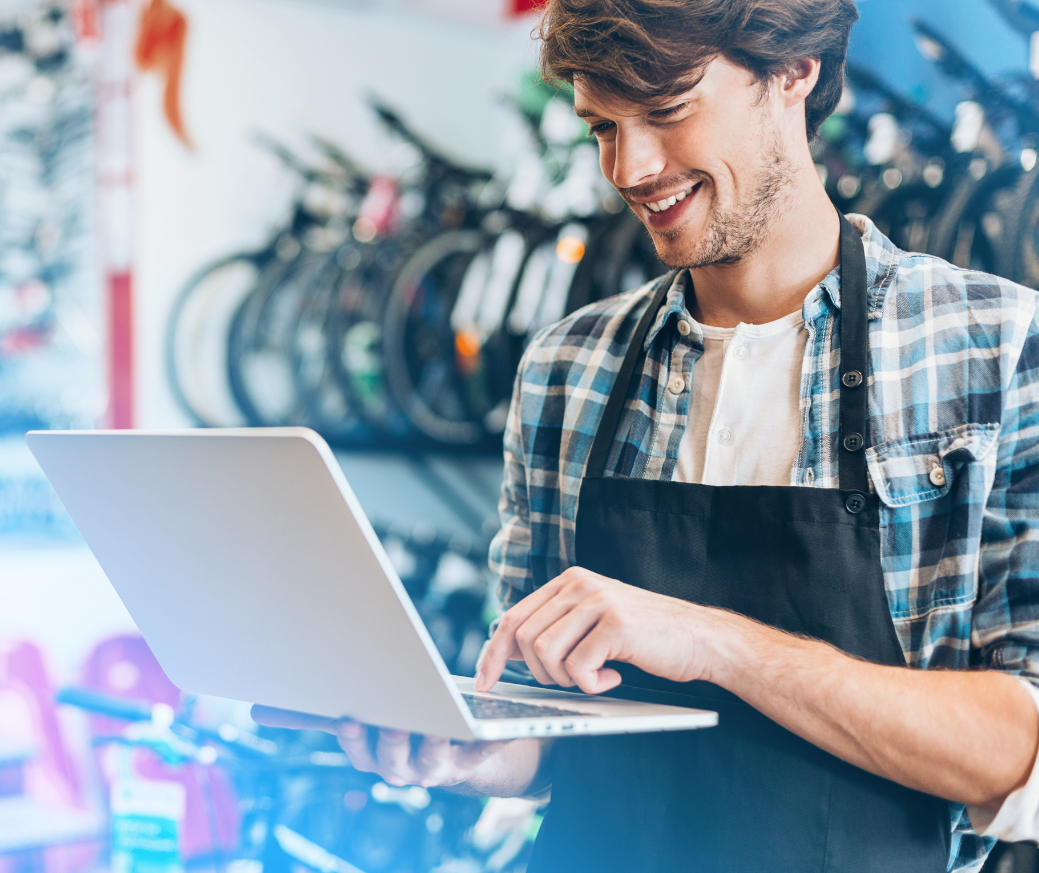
x=342 y=159
x=244 y=745
x=954 y=64
x=105 y=704
x=902 y=105
x=1022 y=17
x=399 y=126
x=290 y=160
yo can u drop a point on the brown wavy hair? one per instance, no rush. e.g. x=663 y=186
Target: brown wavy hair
x=648 y=51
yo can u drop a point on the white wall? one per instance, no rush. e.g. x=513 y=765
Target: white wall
x=294 y=67
x=57 y=596
x=289 y=67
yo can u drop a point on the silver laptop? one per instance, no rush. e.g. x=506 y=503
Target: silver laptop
x=252 y=572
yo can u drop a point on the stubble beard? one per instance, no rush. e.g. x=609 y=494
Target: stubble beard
x=731 y=235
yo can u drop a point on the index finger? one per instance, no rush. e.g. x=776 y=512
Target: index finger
x=271 y=716
x=503 y=647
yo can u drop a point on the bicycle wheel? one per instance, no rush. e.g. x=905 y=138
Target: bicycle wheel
x=326 y=405
x=437 y=377
x=259 y=359
x=905 y=215
x=621 y=257
x=1019 y=256
x=355 y=346
x=197 y=334
x=971 y=225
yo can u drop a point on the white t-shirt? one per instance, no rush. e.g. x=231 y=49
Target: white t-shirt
x=745 y=410
x=745 y=429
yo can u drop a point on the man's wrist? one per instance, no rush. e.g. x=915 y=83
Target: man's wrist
x=520 y=769
x=731 y=643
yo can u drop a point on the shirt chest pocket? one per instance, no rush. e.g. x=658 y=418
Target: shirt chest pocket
x=928 y=467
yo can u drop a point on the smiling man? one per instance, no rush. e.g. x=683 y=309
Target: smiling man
x=795 y=481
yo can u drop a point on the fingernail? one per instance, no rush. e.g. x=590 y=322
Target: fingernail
x=479 y=678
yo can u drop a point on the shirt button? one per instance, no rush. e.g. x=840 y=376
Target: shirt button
x=937 y=476
x=685 y=328
x=725 y=436
x=676 y=385
x=739 y=353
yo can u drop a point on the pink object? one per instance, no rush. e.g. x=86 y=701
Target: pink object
x=380 y=210
x=125 y=667
x=28 y=719
x=37 y=766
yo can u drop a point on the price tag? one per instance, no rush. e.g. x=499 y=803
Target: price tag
x=146 y=819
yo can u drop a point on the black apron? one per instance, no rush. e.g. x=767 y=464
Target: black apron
x=747 y=795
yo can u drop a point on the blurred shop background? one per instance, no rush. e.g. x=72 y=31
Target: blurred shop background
x=352 y=215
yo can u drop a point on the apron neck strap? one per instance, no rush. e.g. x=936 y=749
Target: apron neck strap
x=854 y=351
x=854 y=356
x=615 y=405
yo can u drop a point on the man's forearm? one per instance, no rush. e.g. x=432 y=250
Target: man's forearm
x=520 y=769
x=964 y=736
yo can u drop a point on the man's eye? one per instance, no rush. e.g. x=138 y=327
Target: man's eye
x=668 y=112
x=600 y=128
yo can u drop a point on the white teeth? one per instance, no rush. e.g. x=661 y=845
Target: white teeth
x=662 y=205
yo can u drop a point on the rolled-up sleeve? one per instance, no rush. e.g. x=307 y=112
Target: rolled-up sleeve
x=510 y=549
x=1005 y=624
x=1005 y=619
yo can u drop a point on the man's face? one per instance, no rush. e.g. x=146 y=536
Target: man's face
x=717 y=154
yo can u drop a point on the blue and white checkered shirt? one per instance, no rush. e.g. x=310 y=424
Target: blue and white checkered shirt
x=953 y=383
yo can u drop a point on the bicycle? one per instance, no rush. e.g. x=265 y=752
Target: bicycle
x=464 y=306
x=210 y=313
x=303 y=805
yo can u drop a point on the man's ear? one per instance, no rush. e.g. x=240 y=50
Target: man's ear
x=797 y=82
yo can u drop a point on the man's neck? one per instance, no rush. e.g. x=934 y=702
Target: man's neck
x=800 y=250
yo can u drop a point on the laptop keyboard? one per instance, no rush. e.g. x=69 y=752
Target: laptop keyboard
x=483 y=707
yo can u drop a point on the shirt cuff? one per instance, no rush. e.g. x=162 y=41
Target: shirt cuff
x=1018 y=817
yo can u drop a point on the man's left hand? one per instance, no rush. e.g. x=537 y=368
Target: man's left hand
x=567 y=630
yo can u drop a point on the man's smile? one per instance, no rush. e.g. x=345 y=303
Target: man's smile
x=666 y=203
x=663 y=212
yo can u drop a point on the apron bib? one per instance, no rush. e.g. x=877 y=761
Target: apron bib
x=747 y=795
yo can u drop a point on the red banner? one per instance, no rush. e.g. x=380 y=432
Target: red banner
x=524 y=7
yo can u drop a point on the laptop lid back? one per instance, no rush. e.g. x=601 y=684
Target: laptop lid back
x=252 y=572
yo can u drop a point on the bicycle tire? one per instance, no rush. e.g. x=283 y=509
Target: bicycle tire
x=906 y=214
x=959 y=234
x=621 y=257
x=196 y=338
x=258 y=363
x=1019 y=257
x=431 y=397
x=356 y=348
x=325 y=404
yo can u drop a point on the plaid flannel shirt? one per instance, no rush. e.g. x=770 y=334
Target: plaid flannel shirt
x=953 y=384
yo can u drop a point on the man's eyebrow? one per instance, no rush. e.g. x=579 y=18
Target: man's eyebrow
x=583 y=113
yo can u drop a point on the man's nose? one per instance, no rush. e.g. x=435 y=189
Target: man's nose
x=637 y=158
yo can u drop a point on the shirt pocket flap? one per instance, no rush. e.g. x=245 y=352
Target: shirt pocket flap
x=922 y=468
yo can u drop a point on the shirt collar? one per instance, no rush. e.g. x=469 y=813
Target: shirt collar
x=881 y=262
